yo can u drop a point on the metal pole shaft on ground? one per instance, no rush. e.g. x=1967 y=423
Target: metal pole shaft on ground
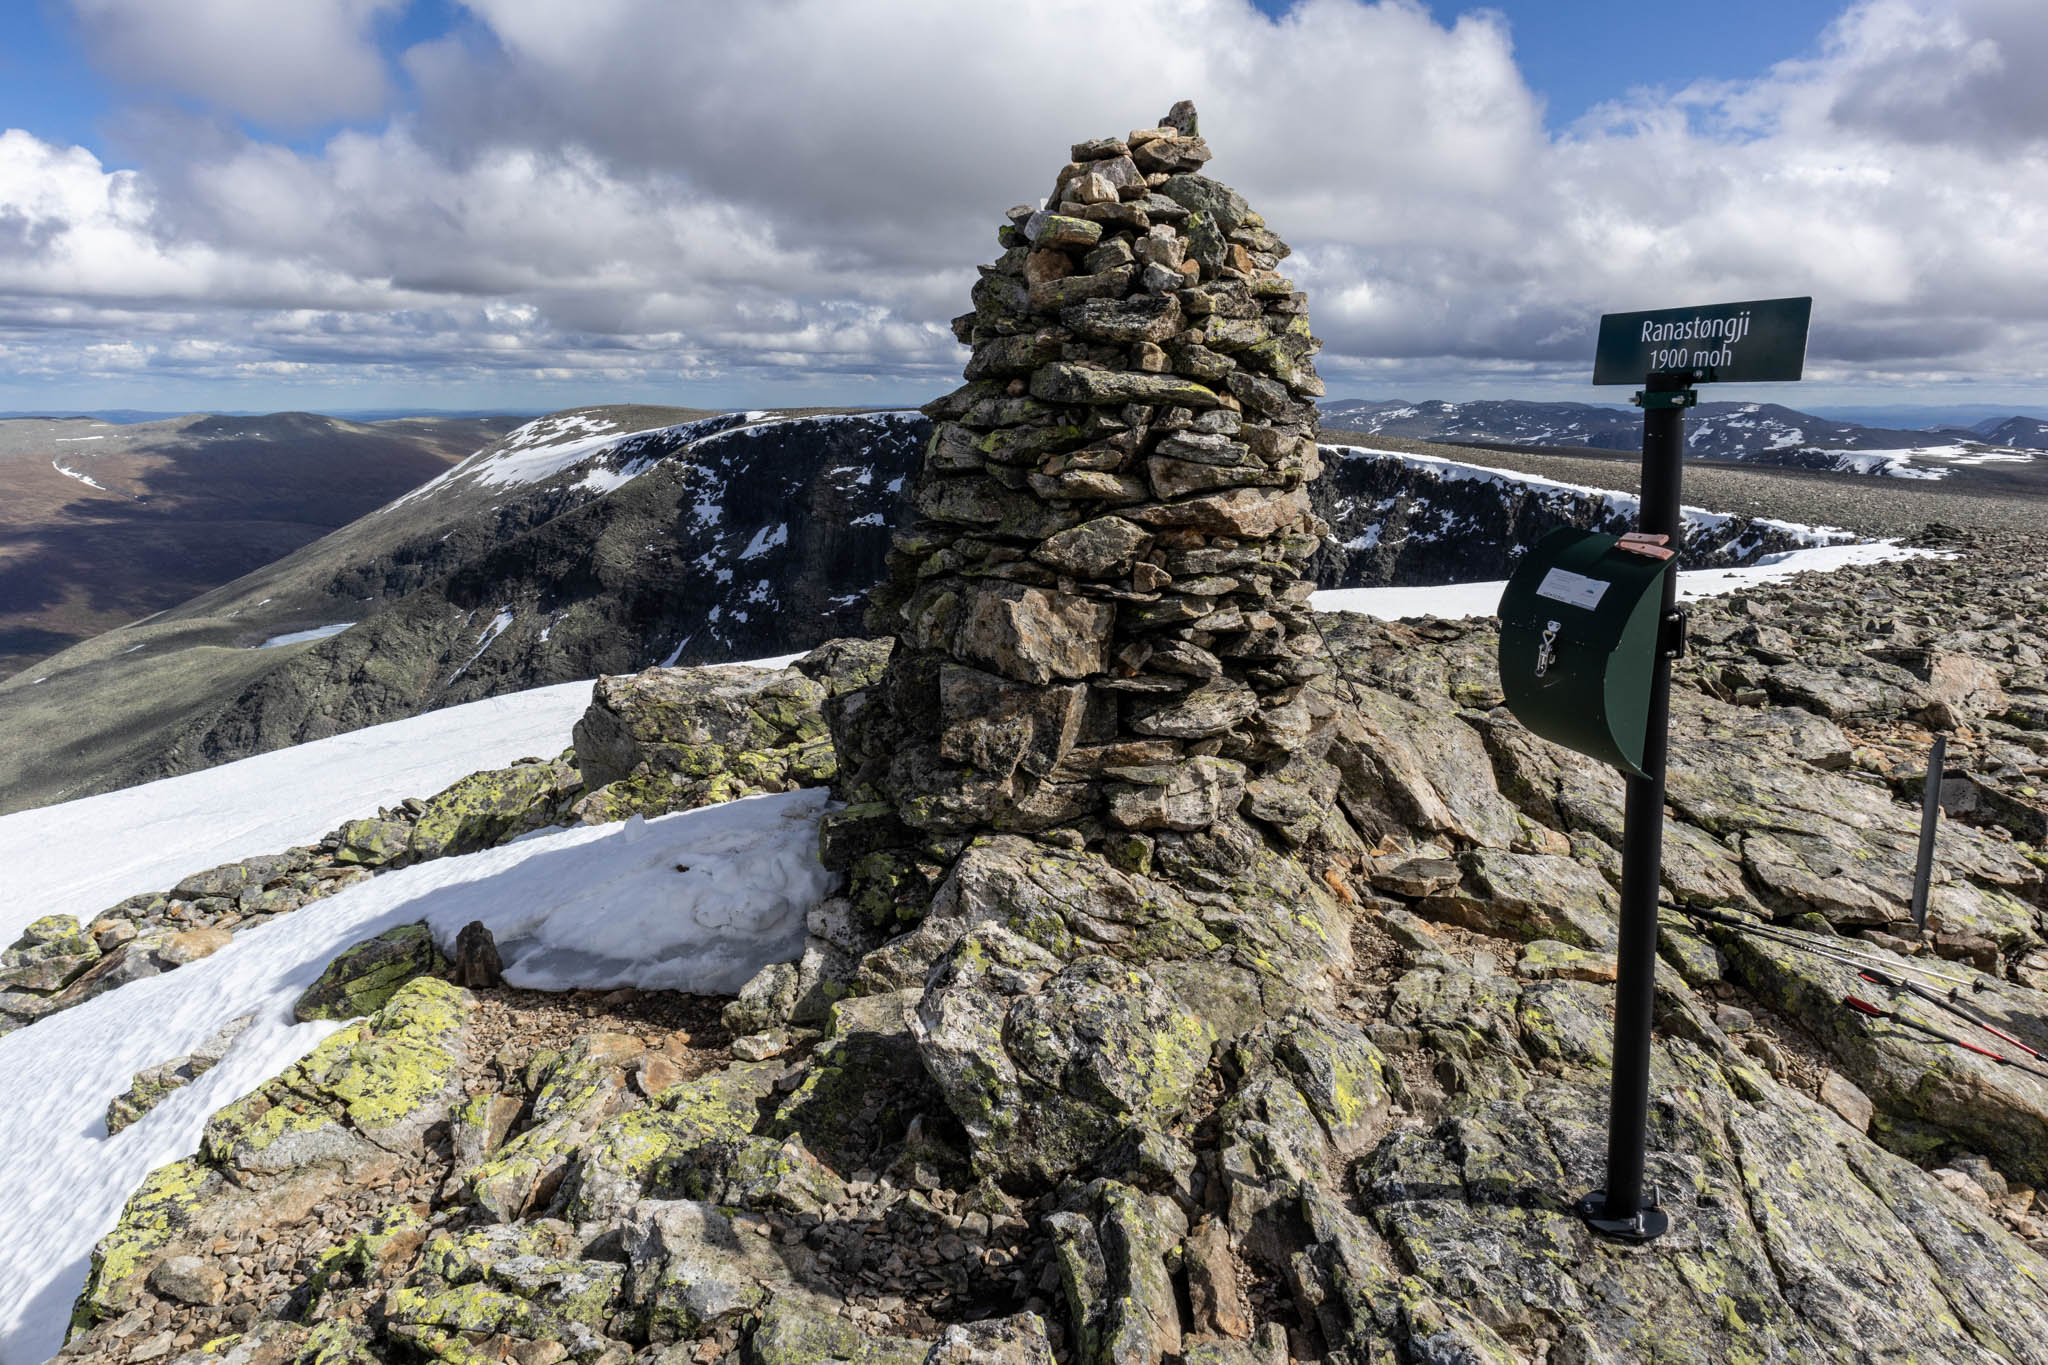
x=1621 y=1208
x=1930 y=814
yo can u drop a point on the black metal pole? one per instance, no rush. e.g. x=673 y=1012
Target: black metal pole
x=1621 y=1210
x=1930 y=813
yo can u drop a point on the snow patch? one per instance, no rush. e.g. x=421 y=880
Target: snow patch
x=86 y=479
x=483 y=641
x=301 y=636
x=1456 y=600
x=766 y=539
x=79 y=857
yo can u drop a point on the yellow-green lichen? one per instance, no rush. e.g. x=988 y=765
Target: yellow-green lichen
x=159 y=1211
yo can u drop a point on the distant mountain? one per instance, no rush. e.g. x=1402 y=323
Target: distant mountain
x=118 y=416
x=1925 y=416
x=102 y=522
x=1762 y=433
x=2021 y=433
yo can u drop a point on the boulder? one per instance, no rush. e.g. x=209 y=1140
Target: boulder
x=369 y=973
x=1045 y=1065
x=676 y=738
x=50 y=954
x=794 y=1332
x=487 y=808
x=693 y=1267
x=154 y=1084
x=375 y=1087
x=373 y=842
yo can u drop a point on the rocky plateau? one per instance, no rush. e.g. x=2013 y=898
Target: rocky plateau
x=1213 y=981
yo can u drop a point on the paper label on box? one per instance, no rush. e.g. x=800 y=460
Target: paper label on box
x=1572 y=589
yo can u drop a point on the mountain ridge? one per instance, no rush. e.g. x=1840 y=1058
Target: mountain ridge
x=608 y=540
x=1993 y=452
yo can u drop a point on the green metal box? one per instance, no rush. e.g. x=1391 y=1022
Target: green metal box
x=1579 y=627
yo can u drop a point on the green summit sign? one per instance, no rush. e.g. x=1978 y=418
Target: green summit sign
x=1764 y=339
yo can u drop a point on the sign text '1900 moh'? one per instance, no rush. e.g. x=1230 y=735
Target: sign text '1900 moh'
x=1721 y=342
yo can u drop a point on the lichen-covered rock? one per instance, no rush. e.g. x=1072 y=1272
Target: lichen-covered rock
x=374 y=1087
x=1789 y=1219
x=680 y=1147
x=767 y=1000
x=367 y=974
x=1524 y=895
x=1928 y=1097
x=486 y=808
x=674 y=738
x=152 y=1085
x=373 y=842
x=1018 y=1340
x=526 y=1297
x=1045 y=1065
x=51 y=953
x=793 y=1332
x=693 y=1267
x=160 y=1211
x=577 y=1093
x=1233 y=929
x=865 y=1083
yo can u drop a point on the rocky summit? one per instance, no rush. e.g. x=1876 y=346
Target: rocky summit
x=1213 y=982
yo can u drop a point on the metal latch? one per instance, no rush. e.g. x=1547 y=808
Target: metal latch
x=1675 y=632
x=1672 y=398
x=1546 y=648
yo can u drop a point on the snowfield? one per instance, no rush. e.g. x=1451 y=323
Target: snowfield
x=299 y=637
x=79 y=857
x=600 y=906
x=1453 y=600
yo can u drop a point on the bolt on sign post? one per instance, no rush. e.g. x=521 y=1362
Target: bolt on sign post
x=1589 y=626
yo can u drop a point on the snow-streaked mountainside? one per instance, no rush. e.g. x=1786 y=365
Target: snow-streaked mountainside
x=2023 y=433
x=599 y=540
x=604 y=540
x=1405 y=519
x=1763 y=433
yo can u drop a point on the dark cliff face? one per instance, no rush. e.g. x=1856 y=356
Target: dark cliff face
x=1413 y=521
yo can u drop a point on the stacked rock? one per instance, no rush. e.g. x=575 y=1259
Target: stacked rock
x=1101 y=609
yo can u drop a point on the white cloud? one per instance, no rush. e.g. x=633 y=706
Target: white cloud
x=643 y=189
x=288 y=63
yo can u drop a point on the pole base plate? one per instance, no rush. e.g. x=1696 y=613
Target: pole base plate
x=1647 y=1224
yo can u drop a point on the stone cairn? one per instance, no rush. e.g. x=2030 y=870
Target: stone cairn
x=1101 y=609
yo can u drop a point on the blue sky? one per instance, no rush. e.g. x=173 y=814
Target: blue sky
x=1580 y=53
x=386 y=203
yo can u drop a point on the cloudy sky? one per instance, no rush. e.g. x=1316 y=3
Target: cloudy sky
x=337 y=204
